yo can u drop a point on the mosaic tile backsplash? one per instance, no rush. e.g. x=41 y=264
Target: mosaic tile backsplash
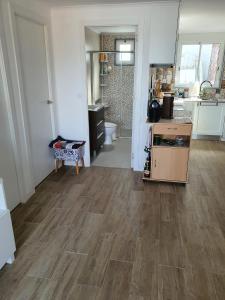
x=120 y=85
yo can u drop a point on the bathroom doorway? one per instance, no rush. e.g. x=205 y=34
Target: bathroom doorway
x=110 y=58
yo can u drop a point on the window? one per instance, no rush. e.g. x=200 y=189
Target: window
x=125 y=59
x=198 y=62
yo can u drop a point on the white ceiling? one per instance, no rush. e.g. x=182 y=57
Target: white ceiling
x=197 y=16
x=83 y=2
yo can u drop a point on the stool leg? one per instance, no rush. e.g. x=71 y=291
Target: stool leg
x=77 y=168
x=56 y=165
x=82 y=162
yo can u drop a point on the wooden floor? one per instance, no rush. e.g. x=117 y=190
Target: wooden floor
x=107 y=235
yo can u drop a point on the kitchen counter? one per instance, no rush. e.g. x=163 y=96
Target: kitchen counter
x=208 y=116
x=178 y=101
x=176 y=120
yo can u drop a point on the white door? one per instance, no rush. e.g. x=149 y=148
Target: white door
x=7 y=162
x=35 y=80
x=210 y=119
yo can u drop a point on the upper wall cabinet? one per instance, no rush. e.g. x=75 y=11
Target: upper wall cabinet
x=163 y=33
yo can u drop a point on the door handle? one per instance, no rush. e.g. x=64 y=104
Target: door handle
x=98 y=137
x=99 y=123
x=155 y=163
x=50 y=101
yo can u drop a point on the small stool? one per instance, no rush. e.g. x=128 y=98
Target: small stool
x=77 y=167
x=76 y=155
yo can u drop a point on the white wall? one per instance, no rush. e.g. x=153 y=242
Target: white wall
x=163 y=33
x=210 y=37
x=92 y=43
x=13 y=108
x=40 y=8
x=202 y=16
x=157 y=26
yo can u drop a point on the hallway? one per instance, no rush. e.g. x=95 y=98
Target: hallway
x=107 y=235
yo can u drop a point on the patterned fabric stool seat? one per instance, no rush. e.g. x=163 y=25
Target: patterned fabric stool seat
x=68 y=150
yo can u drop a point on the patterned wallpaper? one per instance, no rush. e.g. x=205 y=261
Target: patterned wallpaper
x=120 y=82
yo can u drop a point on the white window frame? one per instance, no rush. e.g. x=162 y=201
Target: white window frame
x=194 y=42
x=118 y=60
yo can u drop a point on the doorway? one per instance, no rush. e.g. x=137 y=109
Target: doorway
x=32 y=59
x=110 y=58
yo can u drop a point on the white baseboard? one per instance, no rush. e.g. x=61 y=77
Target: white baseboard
x=206 y=137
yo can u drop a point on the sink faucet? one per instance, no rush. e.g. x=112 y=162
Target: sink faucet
x=203 y=83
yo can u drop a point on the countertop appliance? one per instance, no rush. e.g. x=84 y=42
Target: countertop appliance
x=154 y=110
x=167 y=107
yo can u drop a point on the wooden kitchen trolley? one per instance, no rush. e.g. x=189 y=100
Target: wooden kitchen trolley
x=169 y=149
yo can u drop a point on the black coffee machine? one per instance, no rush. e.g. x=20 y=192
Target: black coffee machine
x=154 y=111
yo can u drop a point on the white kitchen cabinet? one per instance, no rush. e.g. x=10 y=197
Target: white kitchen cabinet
x=7 y=241
x=208 y=118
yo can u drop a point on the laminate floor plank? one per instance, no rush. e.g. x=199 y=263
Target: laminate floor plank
x=99 y=201
x=219 y=285
x=124 y=246
x=24 y=232
x=82 y=240
x=80 y=291
x=116 y=283
x=29 y=288
x=97 y=261
x=144 y=281
x=72 y=198
x=172 y=252
x=49 y=232
x=106 y=234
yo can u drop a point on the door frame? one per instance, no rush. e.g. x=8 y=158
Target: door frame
x=138 y=75
x=6 y=101
x=24 y=162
